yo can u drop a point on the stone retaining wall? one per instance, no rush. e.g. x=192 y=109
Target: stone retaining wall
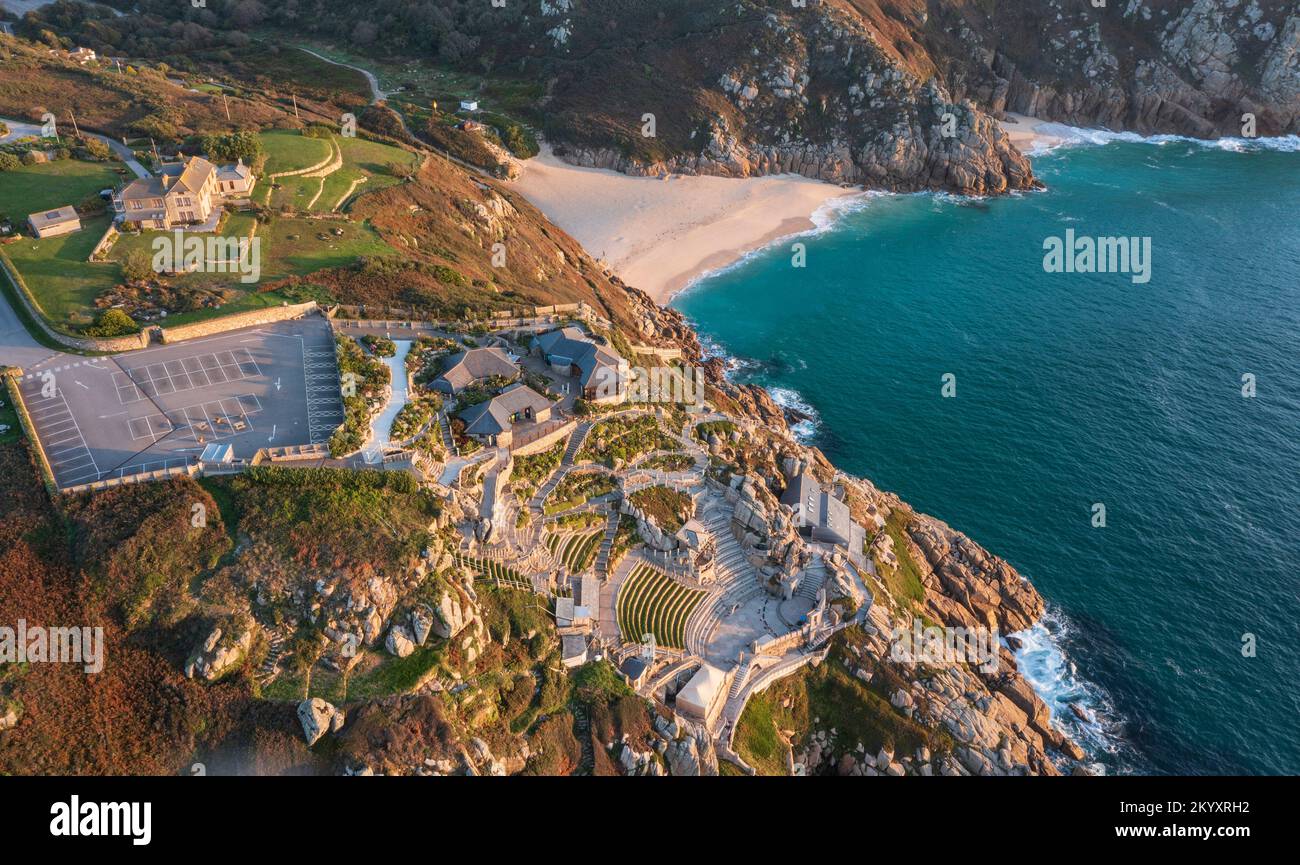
x=546 y=441
x=236 y=321
x=87 y=343
x=11 y=375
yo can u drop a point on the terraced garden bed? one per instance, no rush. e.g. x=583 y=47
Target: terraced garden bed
x=577 y=550
x=495 y=573
x=625 y=438
x=577 y=488
x=650 y=602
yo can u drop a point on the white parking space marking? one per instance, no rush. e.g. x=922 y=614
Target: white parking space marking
x=162 y=378
x=201 y=422
x=60 y=437
x=324 y=400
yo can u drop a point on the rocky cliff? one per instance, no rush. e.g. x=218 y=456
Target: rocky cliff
x=894 y=94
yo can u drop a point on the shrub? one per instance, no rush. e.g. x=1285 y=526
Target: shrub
x=9 y=162
x=112 y=322
x=136 y=266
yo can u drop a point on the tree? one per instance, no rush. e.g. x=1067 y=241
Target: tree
x=96 y=149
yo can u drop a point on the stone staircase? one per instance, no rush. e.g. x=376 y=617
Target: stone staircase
x=815 y=576
x=738 y=683
x=575 y=443
x=607 y=545
x=277 y=640
x=445 y=429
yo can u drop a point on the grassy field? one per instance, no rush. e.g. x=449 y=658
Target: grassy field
x=287 y=150
x=291 y=246
x=364 y=168
x=56 y=270
x=33 y=188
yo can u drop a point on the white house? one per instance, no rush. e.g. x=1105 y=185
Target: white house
x=469 y=105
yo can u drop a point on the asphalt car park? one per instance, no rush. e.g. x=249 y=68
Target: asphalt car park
x=267 y=386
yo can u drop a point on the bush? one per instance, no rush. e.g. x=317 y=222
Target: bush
x=96 y=149
x=112 y=322
x=9 y=162
x=380 y=346
x=136 y=266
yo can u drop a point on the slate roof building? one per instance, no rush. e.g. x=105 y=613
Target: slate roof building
x=602 y=373
x=819 y=514
x=494 y=422
x=52 y=223
x=182 y=193
x=476 y=364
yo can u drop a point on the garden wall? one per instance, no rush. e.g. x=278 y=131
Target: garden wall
x=236 y=321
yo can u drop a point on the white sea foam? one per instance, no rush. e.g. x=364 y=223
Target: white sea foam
x=1053 y=676
x=789 y=398
x=1079 y=136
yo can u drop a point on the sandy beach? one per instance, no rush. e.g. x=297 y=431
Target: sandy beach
x=1031 y=135
x=659 y=234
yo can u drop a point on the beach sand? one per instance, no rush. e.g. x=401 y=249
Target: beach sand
x=659 y=234
x=1029 y=134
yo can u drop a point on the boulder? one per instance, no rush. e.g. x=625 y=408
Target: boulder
x=317 y=718
x=421 y=624
x=399 y=641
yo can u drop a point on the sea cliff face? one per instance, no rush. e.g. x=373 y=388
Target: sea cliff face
x=1188 y=67
x=817 y=96
x=900 y=94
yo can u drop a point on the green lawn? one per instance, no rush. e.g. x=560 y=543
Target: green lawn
x=237 y=225
x=288 y=150
x=64 y=283
x=363 y=160
x=291 y=246
x=33 y=188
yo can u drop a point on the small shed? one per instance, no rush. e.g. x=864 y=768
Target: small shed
x=469 y=105
x=217 y=454
x=573 y=650
x=52 y=223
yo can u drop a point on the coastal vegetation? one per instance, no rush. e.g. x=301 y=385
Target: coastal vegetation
x=828 y=698
x=413 y=416
x=577 y=488
x=364 y=381
x=622 y=439
x=669 y=508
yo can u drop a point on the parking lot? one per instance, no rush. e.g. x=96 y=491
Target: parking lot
x=268 y=386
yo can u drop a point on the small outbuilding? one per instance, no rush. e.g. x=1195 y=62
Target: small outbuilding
x=52 y=223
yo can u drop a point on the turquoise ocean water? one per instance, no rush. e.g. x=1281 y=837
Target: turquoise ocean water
x=1075 y=389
